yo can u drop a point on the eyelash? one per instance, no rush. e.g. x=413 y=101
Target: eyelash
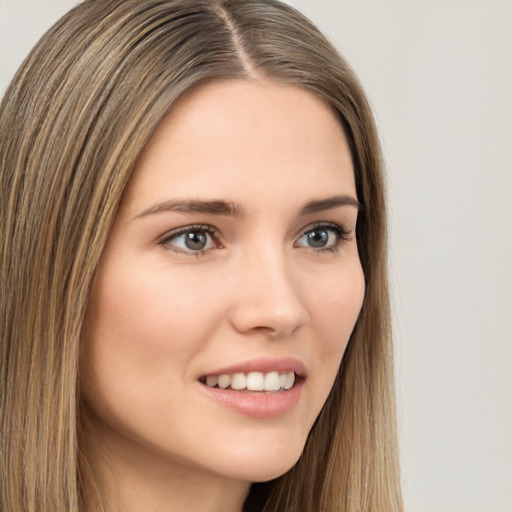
x=203 y=228
x=341 y=234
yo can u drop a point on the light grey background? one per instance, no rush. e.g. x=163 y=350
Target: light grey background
x=439 y=75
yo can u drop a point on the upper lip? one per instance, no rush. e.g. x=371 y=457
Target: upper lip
x=264 y=365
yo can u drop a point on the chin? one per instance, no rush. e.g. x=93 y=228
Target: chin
x=270 y=473
x=264 y=464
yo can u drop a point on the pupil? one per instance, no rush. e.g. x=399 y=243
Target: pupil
x=318 y=238
x=195 y=240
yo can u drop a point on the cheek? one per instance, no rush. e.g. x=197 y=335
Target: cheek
x=335 y=309
x=147 y=308
x=347 y=302
x=140 y=329
x=145 y=324
x=338 y=299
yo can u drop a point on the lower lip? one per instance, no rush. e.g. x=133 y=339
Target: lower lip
x=258 y=404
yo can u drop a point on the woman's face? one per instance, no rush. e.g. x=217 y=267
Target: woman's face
x=232 y=262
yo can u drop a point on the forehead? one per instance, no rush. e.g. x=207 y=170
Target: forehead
x=223 y=135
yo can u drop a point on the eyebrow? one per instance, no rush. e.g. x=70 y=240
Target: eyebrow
x=213 y=207
x=230 y=209
x=329 y=204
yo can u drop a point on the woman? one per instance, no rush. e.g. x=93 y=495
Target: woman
x=194 y=297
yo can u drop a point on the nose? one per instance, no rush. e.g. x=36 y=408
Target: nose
x=268 y=298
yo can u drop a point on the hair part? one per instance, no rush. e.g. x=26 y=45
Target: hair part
x=72 y=125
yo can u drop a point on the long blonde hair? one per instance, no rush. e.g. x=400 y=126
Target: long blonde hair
x=72 y=125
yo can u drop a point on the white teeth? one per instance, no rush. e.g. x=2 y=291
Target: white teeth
x=224 y=381
x=253 y=381
x=212 y=380
x=272 y=381
x=289 y=381
x=238 y=381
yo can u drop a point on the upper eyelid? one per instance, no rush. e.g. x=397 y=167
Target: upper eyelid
x=325 y=224
x=185 y=229
x=213 y=231
x=340 y=231
x=320 y=224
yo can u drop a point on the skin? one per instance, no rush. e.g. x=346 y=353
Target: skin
x=162 y=316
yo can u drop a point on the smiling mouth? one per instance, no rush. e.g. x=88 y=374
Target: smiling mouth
x=251 y=381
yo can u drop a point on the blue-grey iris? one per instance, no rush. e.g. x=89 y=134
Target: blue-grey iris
x=195 y=240
x=318 y=237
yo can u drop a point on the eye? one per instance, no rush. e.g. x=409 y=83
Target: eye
x=191 y=240
x=323 y=237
